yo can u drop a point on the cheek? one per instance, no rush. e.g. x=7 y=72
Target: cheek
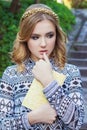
x=52 y=44
x=31 y=48
x=30 y=45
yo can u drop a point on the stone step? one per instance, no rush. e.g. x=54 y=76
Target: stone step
x=85 y=96
x=84 y=82
x=85 y=104
x=83 y=71
x=78 y=54
x=84 y=127
x=80 y=47
x=78 y=62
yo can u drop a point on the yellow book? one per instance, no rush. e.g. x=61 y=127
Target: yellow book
x=35 y=96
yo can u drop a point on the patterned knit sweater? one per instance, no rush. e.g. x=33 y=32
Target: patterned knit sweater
x=67 y=100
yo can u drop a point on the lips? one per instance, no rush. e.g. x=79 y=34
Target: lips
x=43 y=51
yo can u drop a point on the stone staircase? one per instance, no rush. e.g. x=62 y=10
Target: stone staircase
x=77 y=55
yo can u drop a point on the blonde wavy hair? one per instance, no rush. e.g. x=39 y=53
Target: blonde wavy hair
x=28 y=21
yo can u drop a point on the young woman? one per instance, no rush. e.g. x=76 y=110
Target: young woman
x=39 y=48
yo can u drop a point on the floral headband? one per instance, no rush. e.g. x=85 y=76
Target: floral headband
x=43 y=10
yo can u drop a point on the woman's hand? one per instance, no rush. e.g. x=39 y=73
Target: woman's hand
x=45 y=114
x=42 y=71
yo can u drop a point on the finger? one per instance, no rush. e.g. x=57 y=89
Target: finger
x=45 y=57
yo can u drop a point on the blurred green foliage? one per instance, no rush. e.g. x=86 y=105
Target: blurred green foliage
x=9 y=25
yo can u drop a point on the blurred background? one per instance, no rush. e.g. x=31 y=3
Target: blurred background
x=73 y=20
x=12 y=10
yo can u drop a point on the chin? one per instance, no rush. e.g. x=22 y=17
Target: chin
x=41 y=57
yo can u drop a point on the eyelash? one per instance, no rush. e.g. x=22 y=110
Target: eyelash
x=37 y=37
x=34 y=37
x=50 y=35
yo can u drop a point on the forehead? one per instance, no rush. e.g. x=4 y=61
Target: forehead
x=44 y=27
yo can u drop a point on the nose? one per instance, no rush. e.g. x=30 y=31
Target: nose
x=43 y=42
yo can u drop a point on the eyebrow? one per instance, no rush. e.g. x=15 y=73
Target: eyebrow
x=46 y=33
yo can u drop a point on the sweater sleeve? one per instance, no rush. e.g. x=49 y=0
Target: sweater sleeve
x=67 y=100
x=9 y=120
